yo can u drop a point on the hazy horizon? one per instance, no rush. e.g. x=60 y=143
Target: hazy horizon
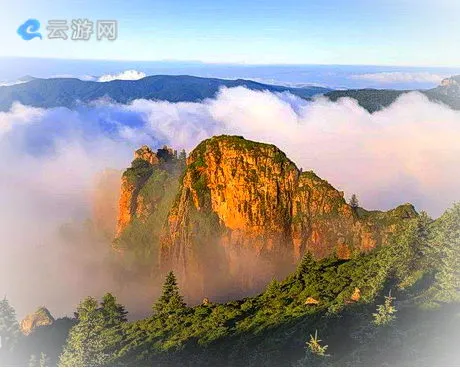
x=330 y=76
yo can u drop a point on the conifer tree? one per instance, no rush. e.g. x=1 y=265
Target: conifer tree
x=114 y=318
x=385 y=312
x=445 y=242
x=85 y=344
x=170 y=301
x=354 y=203
x=307 y=263
x=44 y=360
x=182 y=155
x=410 y=249
x=273 y=289
x=114 y=313
x=9 y=327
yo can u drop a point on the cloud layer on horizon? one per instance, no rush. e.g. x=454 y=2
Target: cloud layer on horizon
x=401 y=77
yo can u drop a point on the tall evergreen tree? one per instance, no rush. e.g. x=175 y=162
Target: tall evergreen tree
x=445 y=243
x=171 y=300
x=354 y=203
x=44 y=360
x=85 y=344
x=182 y=155
x=273 y=289
x=114 y=318
x=307 y=262
x=9 y=327
x=114 y=313
x=409 y=249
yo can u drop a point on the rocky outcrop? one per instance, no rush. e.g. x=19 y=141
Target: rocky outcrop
x=449 y=87
x=132 y=203
x=235 y=215
x=42 y=317
x=246 y=213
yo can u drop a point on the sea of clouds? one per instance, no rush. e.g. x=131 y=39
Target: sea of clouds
x=408 y=152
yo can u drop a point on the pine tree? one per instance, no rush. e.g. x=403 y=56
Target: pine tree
x=9 y=327
x=114 y=319
x=445 y=243
x=315 y=354
x=170 y=301
x=385 y=313
x=315 y=347
x=182 y=155
x=307 y=263
x=273 y=289
x=354 y=203
x=114 y=313
x=44 y=360
x=85 y=344
x=410 y=250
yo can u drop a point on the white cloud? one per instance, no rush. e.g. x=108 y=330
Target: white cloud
x=126 y=75
x=407 y=152
x=401 y=77
x=19 y=114
x=7 y=84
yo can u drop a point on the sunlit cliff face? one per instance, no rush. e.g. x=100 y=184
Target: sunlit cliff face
x=240 y=215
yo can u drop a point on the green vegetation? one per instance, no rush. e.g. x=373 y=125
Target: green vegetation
x=170 y=301
x=354 y=203
x=419 y=264
x=385 y=313
x=445 y=249
x=376 y=99
x=9 y=331
x=315 y=347
x=156 y=187
x=97 y=334
x=68 y=92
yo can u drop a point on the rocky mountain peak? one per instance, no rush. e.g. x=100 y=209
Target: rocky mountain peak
x=41 y=317
x=450 y=86
x=240 y=214
x=145 y=153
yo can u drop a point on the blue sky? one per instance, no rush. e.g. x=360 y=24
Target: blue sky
x=379 y=32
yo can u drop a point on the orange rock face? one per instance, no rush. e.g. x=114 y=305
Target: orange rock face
x=247 y=212
x=244 y=213
x=311 y=301
x=356 y=296
x=41 y=317
x=146 y=154
x=125 y=207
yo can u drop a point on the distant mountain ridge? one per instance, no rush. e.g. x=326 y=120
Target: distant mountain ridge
x=69 y=92
x=448 y=93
